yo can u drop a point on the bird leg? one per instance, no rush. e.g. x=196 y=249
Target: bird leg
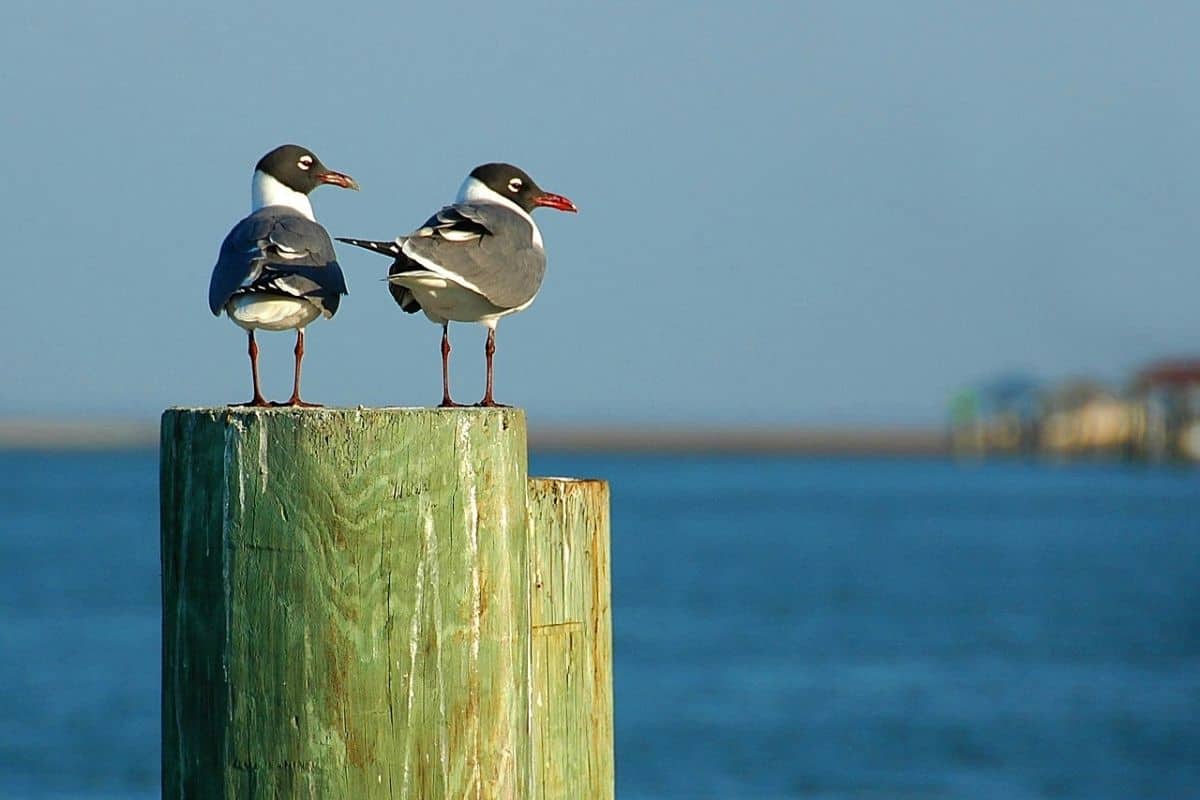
x=258 y=401
x=295 y=400
x=490 y=350
x=446 y=401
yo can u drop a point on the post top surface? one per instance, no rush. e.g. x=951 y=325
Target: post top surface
x=251 y=410
x=504 y=415
x=322 y=421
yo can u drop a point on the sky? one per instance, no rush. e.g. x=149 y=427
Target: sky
x=801 y=213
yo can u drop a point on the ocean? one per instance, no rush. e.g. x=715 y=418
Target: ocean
x=784 y=627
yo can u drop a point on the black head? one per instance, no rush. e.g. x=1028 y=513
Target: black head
x=513 y=183
x=299 y=169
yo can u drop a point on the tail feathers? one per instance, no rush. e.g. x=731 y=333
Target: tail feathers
x=403 y=297
x=390 y=249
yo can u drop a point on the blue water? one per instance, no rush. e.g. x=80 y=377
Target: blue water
x=784 y=628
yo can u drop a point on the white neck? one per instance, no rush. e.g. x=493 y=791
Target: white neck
x=267 y=191
x=474 y=190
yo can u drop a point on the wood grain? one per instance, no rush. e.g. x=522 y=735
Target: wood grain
x=346 y=603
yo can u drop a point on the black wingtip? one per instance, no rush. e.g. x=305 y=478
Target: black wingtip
x=390 y=249
x=404 y=298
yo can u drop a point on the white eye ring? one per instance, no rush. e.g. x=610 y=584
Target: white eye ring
x=305 y=162
x=515 y=185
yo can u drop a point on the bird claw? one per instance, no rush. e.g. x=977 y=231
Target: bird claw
x=296 y=402
x=255 y=402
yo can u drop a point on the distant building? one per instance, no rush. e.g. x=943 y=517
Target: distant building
x=999 y=416
x=1155 y=418
x=1169 y=395
x=1086 y=418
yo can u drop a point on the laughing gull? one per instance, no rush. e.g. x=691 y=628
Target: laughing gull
x=277 y=269
x=475 y=261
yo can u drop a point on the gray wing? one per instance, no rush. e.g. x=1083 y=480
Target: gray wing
x=277 y=251
x=488 y=249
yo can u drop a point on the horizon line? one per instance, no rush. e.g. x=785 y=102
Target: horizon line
x=75 y=434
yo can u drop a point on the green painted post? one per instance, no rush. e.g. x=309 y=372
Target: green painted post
x=571 y=615
x=345 y=604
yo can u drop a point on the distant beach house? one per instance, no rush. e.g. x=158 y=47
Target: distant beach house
x=1087 y=418
x=1169 y=395
x=1002 y=415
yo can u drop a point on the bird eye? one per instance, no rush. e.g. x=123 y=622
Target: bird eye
x=305 y=162
x=514 y=185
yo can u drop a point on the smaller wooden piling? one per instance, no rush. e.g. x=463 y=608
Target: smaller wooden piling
x=571 y=692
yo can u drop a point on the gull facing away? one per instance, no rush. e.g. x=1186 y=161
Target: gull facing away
x=276 y=269
x=475 y=261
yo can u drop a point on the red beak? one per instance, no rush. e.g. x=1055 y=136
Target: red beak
x=338 y=179
x=551 y=200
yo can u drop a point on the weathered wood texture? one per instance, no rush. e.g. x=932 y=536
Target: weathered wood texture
x=572 y=639
x=346 y=604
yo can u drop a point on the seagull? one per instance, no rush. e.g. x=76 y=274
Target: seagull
x=477 y=260
x=276 y=269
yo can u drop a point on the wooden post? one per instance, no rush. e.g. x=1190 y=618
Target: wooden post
x=572 y=639
x=345 y=604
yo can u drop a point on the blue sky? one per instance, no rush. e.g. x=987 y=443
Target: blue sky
x=790 y=212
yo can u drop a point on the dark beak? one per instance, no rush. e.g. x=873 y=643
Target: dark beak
x=551 y=200
x=338 y=179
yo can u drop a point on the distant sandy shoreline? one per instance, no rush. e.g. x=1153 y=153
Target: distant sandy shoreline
x=95 y=435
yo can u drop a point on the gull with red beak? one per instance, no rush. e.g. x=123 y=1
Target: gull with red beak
x=475 y=261
x=276 y=269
